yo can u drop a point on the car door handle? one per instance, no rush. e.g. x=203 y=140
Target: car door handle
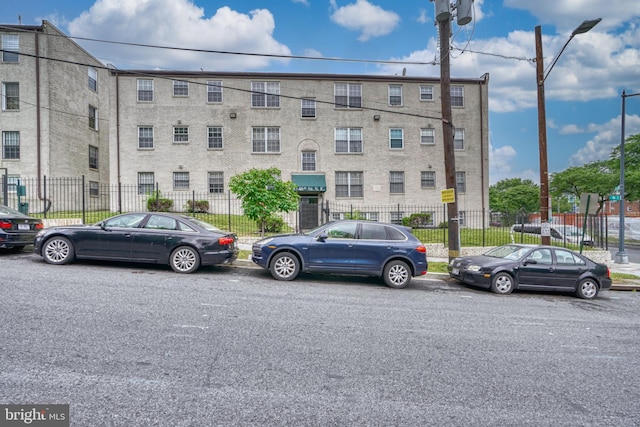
x=127 y=235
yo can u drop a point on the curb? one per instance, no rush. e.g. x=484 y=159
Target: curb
x=623 y=286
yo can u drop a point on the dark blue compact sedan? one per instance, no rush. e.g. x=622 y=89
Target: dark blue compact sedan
x=345 y=247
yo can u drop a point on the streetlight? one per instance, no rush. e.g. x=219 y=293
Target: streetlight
x=542 y=118
x=621 y=256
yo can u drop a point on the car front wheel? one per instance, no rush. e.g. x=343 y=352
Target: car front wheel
x=397 y=274
x=184 y=260
x=284 y=266
x=587 y=289
x=502 y=283
x=58 y=250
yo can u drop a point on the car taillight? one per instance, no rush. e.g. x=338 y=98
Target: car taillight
x=422 y=249
x=226 y=240
x=39 y=226
x=6 y=225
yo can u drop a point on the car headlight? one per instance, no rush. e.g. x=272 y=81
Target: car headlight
x=474 y=268
x=264 y=242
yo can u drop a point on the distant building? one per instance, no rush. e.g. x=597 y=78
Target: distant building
x=360 y=139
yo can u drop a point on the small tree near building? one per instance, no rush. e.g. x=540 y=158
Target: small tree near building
x=263 y=194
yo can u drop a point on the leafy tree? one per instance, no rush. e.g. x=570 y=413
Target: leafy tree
x=631 y=167
x=595 y=177
x=263 y=194
x=514 y=194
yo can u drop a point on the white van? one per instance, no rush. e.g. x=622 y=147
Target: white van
x=631 y=227
x=559 y=232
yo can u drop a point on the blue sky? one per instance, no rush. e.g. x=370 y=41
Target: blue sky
x=583 y=91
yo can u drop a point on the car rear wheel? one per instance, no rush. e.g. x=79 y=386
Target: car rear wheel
x=285 y=266
x=587 y=289
x=397 y=274
x=184 y=260
x=58 y=250
x=502 y=283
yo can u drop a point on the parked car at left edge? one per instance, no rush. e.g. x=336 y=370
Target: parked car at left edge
x=352 y=247
x=532 y=267
x=17 y=230
x=185 y=243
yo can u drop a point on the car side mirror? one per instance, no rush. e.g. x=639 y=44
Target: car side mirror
x=321 y=237
x=530 y=261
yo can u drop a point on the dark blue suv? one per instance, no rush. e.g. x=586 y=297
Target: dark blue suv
x=365 y=248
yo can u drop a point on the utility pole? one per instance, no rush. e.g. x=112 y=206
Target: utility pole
x=542 y=137
x=443 y=17
x=444 y=27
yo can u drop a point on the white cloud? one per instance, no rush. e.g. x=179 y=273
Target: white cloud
x=567 y=15
x=178 y=23
x=304 y=2
x=423 y=18
x=500 y=165
x=370 y=20
x=607 y=138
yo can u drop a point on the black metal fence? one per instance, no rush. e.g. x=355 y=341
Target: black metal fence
x=88 y=202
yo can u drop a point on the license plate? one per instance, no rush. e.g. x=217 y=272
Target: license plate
x=24 y=227
x=455 y=271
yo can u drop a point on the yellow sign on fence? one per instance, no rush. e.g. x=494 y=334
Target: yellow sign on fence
x=448 y=195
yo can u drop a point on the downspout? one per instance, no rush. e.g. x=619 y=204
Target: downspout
x=38 y=118
x=118 y=140
x=482 y=171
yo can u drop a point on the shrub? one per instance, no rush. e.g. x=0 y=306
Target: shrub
x=200 y=206
x=417 y=220
x=274 y=224
x=157 y=203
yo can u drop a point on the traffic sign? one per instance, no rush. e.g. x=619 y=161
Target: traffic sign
x=448 y=195
x=614 y=197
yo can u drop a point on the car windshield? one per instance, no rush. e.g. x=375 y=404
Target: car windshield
x=507 y=252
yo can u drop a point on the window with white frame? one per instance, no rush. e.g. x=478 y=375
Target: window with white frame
x=431 y=220
x=349 y=184
x=461 y=182
x=395 y=217
x=308 y=160
x=428 y=136
x=145 y=137
x=94 y=189
x=462 y=218
x=395 y=94
x=146 y=182
x=457 y=96
x=426 y=93
x=216 y=182
x=93 y=78
x=370 y=216
x=265 y=94
x=10 y=145
x=10 y=47
x=145 y=90
x=214 y=137
x=214 y=91
x=458 y=139
x=265 y=139
x=347 y=95
x=396 y=182
x=308 y=107
x=93 y=157
x=181 y=180
x=428 y=179
x=12 y=183
x=180 y=134
x=348 y=140
x=10 y=96
x=396 y=138
x=93 y=117
x=180 y=88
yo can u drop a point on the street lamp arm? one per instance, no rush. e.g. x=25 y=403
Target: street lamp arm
x=557 y=57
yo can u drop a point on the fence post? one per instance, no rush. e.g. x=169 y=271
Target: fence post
x=193 y=202
x=157 y=196
x=84 y=201
x=229 y=209
x=44 y=190
x=484 y=227
x=446 y=221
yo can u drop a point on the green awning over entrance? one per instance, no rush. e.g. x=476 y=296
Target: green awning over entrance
x=310 y=183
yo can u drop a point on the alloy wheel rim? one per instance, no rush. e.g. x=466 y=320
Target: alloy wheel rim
x=398 y=274
x=184 y=260
x=57 y=250
x=284 y=267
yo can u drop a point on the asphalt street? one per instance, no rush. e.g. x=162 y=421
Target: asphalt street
x=131 y=345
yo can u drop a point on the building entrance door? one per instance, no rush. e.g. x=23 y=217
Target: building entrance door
x=308 y=212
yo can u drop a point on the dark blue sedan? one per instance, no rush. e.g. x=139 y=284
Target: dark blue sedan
x=345 y=247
